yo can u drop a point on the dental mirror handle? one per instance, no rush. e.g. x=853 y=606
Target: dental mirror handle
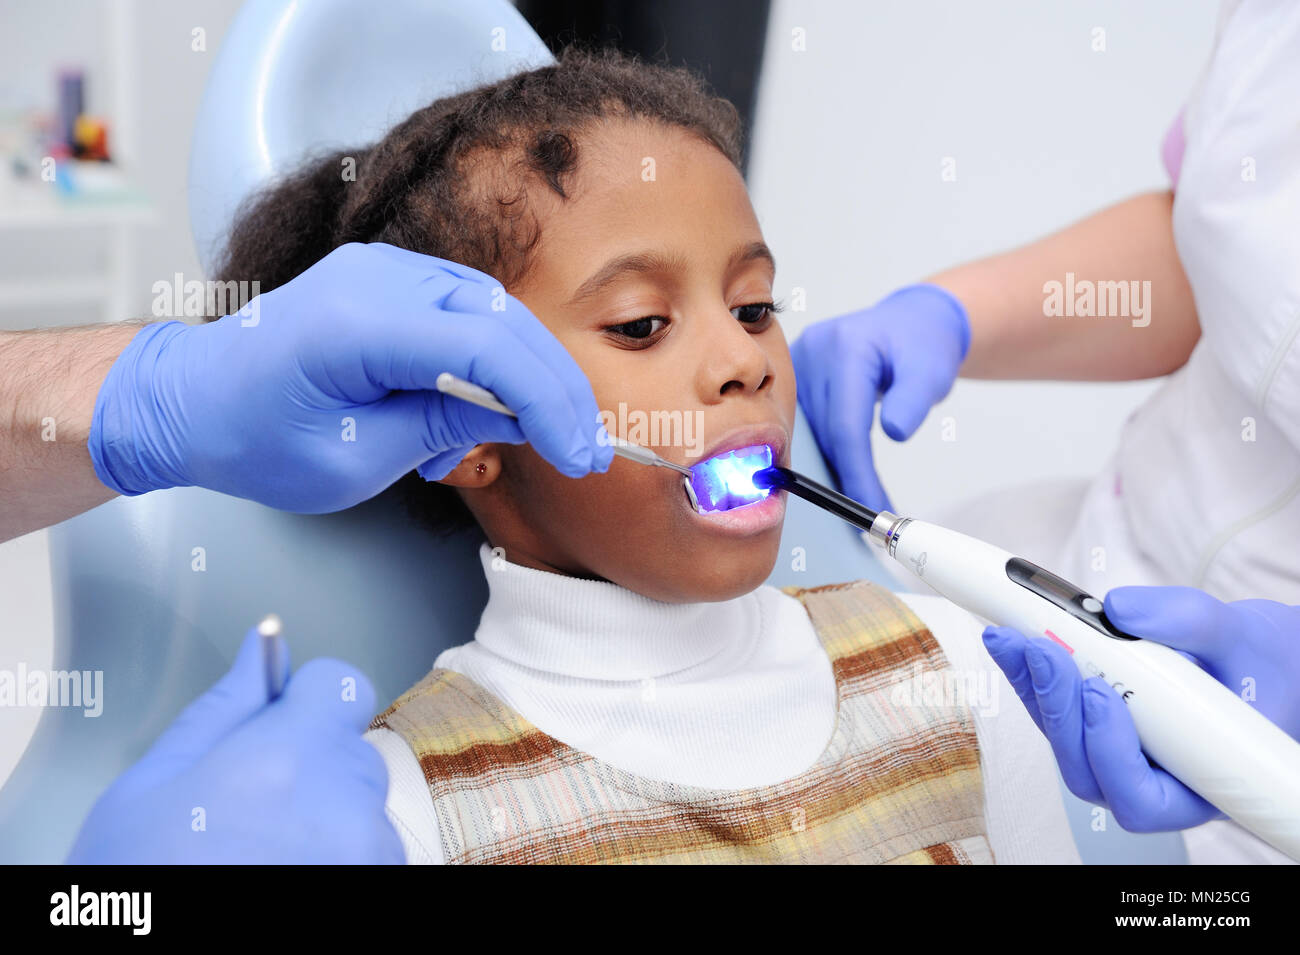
x=449 y=384
x=270 y=631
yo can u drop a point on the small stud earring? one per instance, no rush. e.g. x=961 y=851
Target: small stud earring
x=481 y=468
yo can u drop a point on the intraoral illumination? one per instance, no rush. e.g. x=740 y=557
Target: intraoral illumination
x=726 y=481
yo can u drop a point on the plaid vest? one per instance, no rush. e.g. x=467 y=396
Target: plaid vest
x=899 y=781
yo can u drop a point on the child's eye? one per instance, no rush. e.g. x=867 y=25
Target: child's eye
x=757 y=315
x=640 y=329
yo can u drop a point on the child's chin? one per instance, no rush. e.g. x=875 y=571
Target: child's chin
x=729 y=573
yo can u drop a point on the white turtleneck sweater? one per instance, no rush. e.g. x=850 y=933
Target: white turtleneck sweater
x=743 y=697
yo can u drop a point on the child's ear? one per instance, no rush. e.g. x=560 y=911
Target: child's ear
x=479 y=468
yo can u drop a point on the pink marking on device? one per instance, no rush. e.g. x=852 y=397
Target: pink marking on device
x=1068 y=648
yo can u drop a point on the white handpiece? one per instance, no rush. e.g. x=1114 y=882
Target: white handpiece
x=1188 y=722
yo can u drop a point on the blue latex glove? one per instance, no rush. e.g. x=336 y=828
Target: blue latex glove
x=1089 y=726
x=288 y=782
x=260 y=404
x=909 y=346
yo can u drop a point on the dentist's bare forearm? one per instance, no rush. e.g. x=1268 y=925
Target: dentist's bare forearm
x=49 y=380
x=1104 y=299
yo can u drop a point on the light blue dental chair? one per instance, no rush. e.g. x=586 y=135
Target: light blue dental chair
x=157 y=591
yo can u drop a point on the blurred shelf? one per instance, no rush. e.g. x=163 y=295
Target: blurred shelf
x=89 y=196
x=39 y=207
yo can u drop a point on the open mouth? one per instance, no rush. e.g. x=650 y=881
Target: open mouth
x=725 y=481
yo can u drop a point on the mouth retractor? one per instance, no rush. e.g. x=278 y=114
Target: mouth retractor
x=725 y=481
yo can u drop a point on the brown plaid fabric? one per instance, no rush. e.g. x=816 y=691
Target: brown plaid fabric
x=899 y=781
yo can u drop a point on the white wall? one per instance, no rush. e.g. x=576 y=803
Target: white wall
x=846 y=179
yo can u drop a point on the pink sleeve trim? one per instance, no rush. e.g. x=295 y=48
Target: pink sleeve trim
x=1172 y=149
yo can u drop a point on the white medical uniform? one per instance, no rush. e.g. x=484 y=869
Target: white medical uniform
x=1204 y=488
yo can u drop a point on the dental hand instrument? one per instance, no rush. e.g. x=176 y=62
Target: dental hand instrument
x=269 y=633
x=247 y=765
x=449 y=384
x=1188 y=723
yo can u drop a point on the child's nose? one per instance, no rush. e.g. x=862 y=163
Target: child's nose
x=734 y=360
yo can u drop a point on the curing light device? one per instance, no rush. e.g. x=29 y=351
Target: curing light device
x=1189 y=723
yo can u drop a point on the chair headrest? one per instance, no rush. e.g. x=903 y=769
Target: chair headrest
x=294 y=78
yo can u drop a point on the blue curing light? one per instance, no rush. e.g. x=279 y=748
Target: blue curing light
x=726 y=481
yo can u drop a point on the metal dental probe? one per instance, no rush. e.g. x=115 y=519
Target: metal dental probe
x=449 y=384
x=270 y=629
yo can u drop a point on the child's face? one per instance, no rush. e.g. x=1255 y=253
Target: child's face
x=676 y=339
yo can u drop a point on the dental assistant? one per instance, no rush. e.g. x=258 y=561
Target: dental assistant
x=1204 y=488
x=254 y=405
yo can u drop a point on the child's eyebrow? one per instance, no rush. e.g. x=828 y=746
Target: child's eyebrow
x=654 y=262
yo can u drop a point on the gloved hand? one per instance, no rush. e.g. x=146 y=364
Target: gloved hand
x=320 y=393
x=1089 y=726
x=909 y=346
x=235 y=780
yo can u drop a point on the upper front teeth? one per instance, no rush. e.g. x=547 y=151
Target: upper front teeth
x=743 y=452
